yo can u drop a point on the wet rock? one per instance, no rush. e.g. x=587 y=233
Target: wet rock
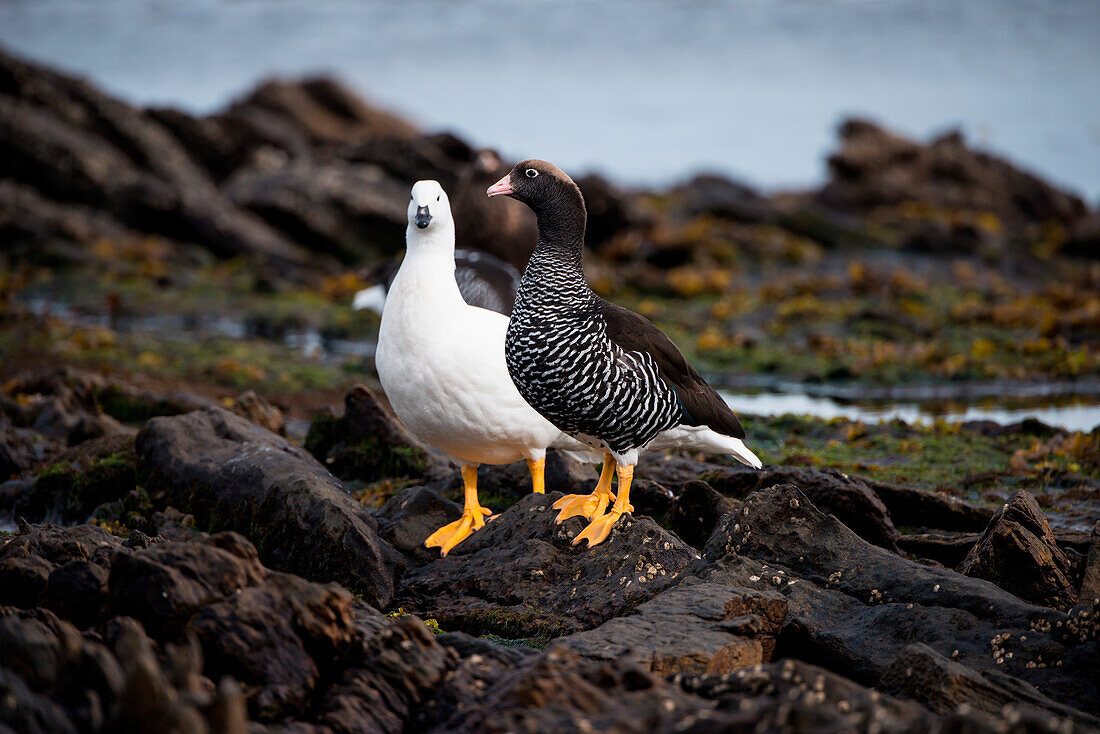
x=410 y=516
x=1090 y=580
x=560 y=692
x=1018 y=552
x=366 y=443
x=233 y=475
x=252 y=407
x=848 y=498
x=697 y=510
x=695 y=627
x=782 y=526
x=523 y=557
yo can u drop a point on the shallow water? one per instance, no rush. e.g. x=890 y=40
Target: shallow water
x=1080 y=416
x=645 y=91
x=1071 y=405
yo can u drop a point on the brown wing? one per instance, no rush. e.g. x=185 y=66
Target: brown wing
x=702 y=405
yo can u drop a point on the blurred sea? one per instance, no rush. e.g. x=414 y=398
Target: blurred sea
x=645 y=91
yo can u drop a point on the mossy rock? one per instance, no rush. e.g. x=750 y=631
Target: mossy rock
x=365 y=444
x=97 y=472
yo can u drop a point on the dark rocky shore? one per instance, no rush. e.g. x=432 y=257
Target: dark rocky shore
x=180 y=555
x=227 y=582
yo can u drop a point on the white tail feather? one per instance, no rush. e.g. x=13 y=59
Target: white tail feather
x=701 y=438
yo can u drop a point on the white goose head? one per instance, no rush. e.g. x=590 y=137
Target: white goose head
x=429 y=207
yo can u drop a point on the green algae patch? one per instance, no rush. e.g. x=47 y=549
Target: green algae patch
x=71 y=489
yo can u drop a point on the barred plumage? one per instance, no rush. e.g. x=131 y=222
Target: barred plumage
x=600 y=373
x=566 y=367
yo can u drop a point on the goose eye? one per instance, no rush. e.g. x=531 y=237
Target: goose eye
x=438 y=197
x=531 y=173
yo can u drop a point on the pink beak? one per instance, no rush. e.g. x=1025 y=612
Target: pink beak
x=502 y=187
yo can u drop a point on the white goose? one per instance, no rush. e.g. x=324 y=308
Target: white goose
x=441 y=363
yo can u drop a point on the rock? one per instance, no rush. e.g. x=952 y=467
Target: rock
x=1018 y=552
x=1090 y=579
x=560 y=692
x=922 y=674
x=782 y=526
x=280 y=638
x=609 y=210
x=649 y=499
x=323 y=112
x=466 y=645
x=22 y=450
x=77 y=591
x=29 y=559
x=252 y=407
x=366 y=443
x=71 y=143
x=401 y=666
x=875 y=168
x=512 y=482
x=60 y=405
x=97 y=471
x=165 y=585
x=697 y=510
x=523 y=557
x=26 y=712
x=694 y=627
x=850 y=499
x=410 y=516
x=350 y=211
x=920 y=508
x=946 y=548
x=853 y=607
x=720 y=197
x=235 y=476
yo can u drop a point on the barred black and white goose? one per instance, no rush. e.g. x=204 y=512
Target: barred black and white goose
x=599 y=372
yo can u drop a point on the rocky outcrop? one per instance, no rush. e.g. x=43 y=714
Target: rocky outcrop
x=875 y=167
x=1018 y=552
x=232 y=475
x=522 y=557
x=695 y=627
x=295 y=176
x=855 y=608
x=848 y=498
x=366 y=443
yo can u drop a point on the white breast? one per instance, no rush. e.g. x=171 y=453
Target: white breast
x=441 y=363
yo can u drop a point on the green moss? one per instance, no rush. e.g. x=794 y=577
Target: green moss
x=71 y=490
